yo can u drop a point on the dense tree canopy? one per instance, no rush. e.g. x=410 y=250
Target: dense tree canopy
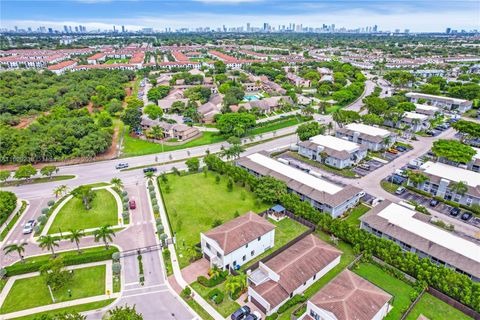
x=235 y=124
x=8 y=202
x=32 y=91
x=453 y=150
x=307 y=130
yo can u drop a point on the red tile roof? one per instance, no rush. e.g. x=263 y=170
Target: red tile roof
x=62 y=65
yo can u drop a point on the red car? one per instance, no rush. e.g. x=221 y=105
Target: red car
x=132 y=204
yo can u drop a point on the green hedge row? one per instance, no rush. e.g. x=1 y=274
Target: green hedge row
x=212 y=282
x=8 y=202
x=69 y=260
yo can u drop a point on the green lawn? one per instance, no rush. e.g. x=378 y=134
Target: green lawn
x=286 y=230
x=15 y=183
x=347 y=257
x=356 y=213
x=435 y=309
x=112 y=61
x=137 y=147
x=275 y=126
x=195 y=202
x=388 y=186
x=226 y=308
x=32 y=292
x=198 y=309
x=74 y=216
x=77 y=308
x=399 y=289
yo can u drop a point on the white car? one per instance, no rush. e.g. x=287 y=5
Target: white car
x=28 y=227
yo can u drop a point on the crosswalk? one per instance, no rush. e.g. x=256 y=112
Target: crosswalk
x=18 y=241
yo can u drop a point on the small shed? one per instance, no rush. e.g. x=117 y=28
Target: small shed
x=277 y=212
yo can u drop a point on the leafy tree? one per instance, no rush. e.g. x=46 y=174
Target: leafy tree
x=153 y=111
x=375 y=105
x=75 y=236
x=132 y=117
x=193 y=164
x=155 y=132
x=233 y=151
x=406 y=106
x=104 y=120
x=234 y=284
x=85 y=194
x=453 y=150
x=19 y=248
x=134 y=102
x=25 y=172
x=48 y=171
x=430 y=89
x=416 y=177
x=307 y=130
x=468 y=128
x=114 y=106
x=60 y=190
x=372 y=119
x=219 y=67
x=178 y=107
x=229 y=123
x=123 y=313
x=55 y=274
x=269 y=189
x=342 y=117
x=158 y=93
x=104 y=233
x=48 y=242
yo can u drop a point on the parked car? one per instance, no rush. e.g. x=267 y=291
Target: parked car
x=439 y=128
x=240 y=313
x=391 y=150
x=28 y=227
x=400 y=190
x=121 y=165
x=430 y=133
x=455 y=211
x=151 y=169
x=401 y=148
x=434 y=203
x=132 y=204
x=255 y=315
x=466 y=216
x=364 y=166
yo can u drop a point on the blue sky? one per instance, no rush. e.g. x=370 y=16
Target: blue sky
x=422 y=15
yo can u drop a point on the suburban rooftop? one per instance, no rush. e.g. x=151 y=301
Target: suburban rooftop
x=452 y=173
x=335 y=143
x=368 y=130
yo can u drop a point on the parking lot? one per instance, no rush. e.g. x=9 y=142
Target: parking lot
x=373 y=164
x=441 y=207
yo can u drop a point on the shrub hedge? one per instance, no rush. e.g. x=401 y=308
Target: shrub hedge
x=68 y=260
x=216 y=295
x=212 y=282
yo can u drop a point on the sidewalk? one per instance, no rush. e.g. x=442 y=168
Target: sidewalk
x=176 y=267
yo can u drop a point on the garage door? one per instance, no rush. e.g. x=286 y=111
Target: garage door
x=258 y=305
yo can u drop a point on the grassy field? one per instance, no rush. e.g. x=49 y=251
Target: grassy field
x=435 y=309
x=74 y=216
x=195 y=202
x=388 y=186
x=15 y=183
x=347 y=257
x=398 y=289
x=275 y=126
x=356 y=213
x=226 y=308
x=137 y=147
x=198 y=309
x=286 y=230
x=113 y=61
x=32 y=292
x=77 y=308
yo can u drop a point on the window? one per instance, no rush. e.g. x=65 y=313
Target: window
x=219 y=255
x=314 y=276
x=208 y=245
x=259 y=238
x=244 y=258
x=291 y=295
x=246 y=246
x=252 y=253
x=235 y=262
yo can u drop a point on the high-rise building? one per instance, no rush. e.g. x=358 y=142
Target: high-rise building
x=375 y=28
x=248 y=26
x=50 y=30
x=449 y=30
x=265 y=26
x=123 y=29
x=65 y=29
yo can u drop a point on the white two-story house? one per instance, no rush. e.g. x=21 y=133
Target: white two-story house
x=290 y=272
x=348 y=297
x=238 y=241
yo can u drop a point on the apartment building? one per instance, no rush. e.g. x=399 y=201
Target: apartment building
x=413 y=232
x=373 y=138
x=321 y=194
x=442 y=102
x=336 y=152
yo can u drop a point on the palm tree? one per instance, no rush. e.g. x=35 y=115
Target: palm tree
x=157 y=132
x=104 y=233
x=235 y=283
x=149 y=175
x=19 y=248
x=117 y=183
x=75 y=236
x=60 y=190
x=48 y=242
x=416 y=177
x=460 y=187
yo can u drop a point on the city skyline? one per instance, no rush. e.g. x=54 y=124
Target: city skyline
x=417 y=16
